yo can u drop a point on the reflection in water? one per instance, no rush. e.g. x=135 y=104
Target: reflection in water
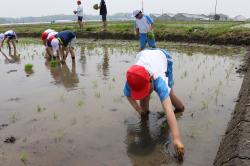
x=83 y=60
x=105 y=63
x=15 y=58
x=143 y=137
x=63 y=75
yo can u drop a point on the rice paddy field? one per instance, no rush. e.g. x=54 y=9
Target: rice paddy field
x=76 y=114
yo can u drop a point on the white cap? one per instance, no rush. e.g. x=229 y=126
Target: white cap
x=135 y=12
x=55 y=44
x=1 y=36
x=49 y=30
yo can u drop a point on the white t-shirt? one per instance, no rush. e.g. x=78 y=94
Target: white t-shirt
x=155 y=61
x=10 y=32
x=79 y=11
x=49 y=38
x=49 y=30
x=144 y=24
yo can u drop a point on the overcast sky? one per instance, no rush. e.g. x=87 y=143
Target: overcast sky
x=20 y=8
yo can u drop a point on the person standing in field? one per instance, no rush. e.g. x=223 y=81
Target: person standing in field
x=103 y=13
x=11 y=38
x=153 y=71
x=64 y=43
x=144 y=26
x=79 y=13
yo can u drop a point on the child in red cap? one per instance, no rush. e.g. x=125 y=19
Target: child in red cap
x=153 y=71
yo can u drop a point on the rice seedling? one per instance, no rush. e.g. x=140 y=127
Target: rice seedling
x=204 y=105
x=95 y=84
x=98 y=94
x=28 y=67
x=111 y=86
x=80 y=103
x=39 y=109
x=73 y=122
x=117 y=99
x=54 y=63
x=13 y=117
x=62 y=98
x=59 y=135
x=24 y=157
x=55 y=116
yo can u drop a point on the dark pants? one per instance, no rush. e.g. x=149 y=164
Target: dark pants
x=104 y=17
x=79 y=18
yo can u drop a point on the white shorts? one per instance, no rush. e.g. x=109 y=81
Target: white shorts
x=72 y=43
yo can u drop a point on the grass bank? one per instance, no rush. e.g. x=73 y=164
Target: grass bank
x=209 y=32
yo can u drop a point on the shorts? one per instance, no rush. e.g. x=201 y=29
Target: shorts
x=72 y=43
x=144 y=40
x=169 y=74
x=79 y=18
x=104 y=17
x=10 y=37
x=48 y=43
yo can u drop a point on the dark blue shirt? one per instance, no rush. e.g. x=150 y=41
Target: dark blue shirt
x=65 y=37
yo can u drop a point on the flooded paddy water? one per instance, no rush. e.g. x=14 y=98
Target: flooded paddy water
x=75 y=114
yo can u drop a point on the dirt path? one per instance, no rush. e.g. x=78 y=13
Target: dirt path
x=234 y=149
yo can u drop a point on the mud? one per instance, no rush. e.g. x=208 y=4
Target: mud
x=75 y=114
x=226 y=39
x=234 y=149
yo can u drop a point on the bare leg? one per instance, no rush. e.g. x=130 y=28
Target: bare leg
x=177 y=103
x=49 y=52
x=104 y=25
x=71 y=50
x=8 y=42
x=144 y=103
x=14 y=46
x=80 y=25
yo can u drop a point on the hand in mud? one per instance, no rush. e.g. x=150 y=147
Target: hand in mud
x=179 y=148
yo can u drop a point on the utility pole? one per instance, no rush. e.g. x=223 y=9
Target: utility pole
x=215 y=8
x=142 y=6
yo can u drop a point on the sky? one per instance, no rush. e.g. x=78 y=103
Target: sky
x=23 y=8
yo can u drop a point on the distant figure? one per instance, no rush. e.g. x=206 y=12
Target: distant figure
x=79 y=13
x=44 y=37
x=64 y=43
x=144 y=28
x=103 y=13
x=153 y=71
x=11 y=38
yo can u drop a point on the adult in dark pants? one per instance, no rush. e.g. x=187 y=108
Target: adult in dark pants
x=103 y=13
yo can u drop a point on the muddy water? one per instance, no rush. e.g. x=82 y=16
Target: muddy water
x=75 y=114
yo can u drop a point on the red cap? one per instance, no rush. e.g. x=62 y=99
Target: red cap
x=51 y=38
x=139 y=82
x=79 y=1
x=44 y=35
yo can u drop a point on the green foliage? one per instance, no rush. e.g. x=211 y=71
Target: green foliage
x=54 y=63
x=28 y=67
x=24 y=157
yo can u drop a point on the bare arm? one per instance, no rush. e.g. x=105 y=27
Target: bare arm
x=152 y=27
x=167 y=107
x=135 y=105
x=137 y=31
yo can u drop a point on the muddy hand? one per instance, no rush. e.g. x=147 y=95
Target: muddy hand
x=179 y=148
